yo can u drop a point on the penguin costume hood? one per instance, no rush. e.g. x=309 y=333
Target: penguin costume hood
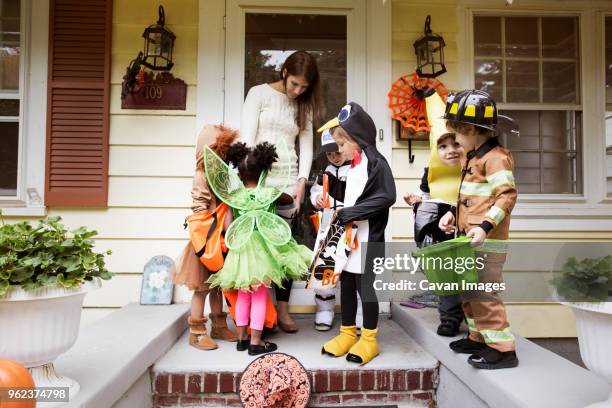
x=378 y=192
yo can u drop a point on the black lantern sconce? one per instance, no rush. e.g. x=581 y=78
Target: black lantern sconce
x=429 y=50
x=158 y=45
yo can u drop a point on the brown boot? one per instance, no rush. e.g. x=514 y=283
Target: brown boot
x=219 y=329
x=198 y=337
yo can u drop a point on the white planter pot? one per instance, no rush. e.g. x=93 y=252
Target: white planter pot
x=38 y=326
x=594 y=327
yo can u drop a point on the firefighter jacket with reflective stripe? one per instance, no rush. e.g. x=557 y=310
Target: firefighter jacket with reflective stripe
x=487 y=193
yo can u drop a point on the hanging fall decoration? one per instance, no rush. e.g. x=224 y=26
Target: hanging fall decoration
x=407 y=100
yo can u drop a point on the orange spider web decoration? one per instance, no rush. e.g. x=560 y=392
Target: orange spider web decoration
x=407 y=101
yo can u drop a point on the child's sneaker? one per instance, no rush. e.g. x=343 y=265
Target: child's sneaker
x=448 y=328
x=324 y=318
x=491 y=359
x=467 y=346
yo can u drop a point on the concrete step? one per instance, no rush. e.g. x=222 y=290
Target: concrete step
x=402 y=375
x=542 y=379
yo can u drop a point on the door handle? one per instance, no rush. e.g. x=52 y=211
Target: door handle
x=381 y=134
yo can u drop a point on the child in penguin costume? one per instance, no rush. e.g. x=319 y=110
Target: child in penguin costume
x=369 y=193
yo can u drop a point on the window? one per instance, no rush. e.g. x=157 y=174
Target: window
x=10 y=95
x=530 y=65
x=608 y=61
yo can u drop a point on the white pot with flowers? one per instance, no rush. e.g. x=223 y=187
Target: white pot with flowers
x=586 y=287
x=45 y=273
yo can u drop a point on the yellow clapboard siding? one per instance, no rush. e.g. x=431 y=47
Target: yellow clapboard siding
x=128 y=38
x=403 y=47
x=403 y=187
x=450 y=79
x=402 y=167
x=541 y=320
x=115 y=107
x=407 y=16
x=116 y=292
x=131 y=255
x=152 y=130
x=520 y=228
x=151 y=161
x=131 y=223
x=149 y=192
x=184 y=67
x=144 y=12
x=418 y=146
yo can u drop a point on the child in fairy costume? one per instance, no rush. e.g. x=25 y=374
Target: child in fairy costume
x=261 y=248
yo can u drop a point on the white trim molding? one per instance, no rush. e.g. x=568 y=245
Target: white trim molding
x=31 y=184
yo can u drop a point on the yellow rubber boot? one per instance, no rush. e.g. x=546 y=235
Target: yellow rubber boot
x=365 y=349
x=340 y=345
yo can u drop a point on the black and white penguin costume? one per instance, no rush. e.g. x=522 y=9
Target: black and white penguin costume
x=369 y=193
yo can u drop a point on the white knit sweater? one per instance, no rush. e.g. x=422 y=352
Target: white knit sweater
x=269 y=115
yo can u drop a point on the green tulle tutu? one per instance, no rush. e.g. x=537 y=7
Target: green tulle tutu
x=259 y=262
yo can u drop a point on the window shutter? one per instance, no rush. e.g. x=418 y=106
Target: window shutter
x=78 y=103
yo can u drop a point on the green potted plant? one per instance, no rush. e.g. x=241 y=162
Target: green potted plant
x=587 y=286
x=587 y=280
x=45 y=273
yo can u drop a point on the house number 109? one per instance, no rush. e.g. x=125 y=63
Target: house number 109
x=153 y=92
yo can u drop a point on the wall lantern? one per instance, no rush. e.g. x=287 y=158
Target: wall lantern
x=429 y=50
x=158 y=45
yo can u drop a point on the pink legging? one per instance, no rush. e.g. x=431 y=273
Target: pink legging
x=253 y=305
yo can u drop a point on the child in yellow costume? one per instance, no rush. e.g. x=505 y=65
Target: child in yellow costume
x=438 y=195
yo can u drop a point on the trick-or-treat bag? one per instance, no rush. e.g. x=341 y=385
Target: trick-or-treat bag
x=333 y=245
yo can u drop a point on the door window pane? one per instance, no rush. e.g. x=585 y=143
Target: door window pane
x=270 y=39
x=521 y=36
x=560 y=82
x=9 y=146
x=559 y=37
x=487 y=37
x=488 y=77
x=546 y=153
x=522 y=81
x=10 y=49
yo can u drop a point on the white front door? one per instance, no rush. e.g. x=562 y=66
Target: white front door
x=351 y=40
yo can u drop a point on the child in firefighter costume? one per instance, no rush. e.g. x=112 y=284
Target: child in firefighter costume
x=261 y=248
x=330 y=184
x=205 y=251
x=438 y=195
x=487 y=195
x=369 y=193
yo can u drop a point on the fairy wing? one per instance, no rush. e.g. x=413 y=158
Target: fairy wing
x=273 y=228
x=240 y=231
x=224 y=181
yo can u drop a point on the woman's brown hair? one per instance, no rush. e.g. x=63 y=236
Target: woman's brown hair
x=301 y=63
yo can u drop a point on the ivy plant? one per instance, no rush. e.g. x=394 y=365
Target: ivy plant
x=46 y=254
x=588 y=280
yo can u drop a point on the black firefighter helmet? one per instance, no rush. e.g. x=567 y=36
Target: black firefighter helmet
x=472 y=107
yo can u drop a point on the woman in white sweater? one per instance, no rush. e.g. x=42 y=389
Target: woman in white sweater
x=285 y=110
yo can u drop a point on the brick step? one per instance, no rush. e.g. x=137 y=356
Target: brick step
x=329 y=387
x=403 y=374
